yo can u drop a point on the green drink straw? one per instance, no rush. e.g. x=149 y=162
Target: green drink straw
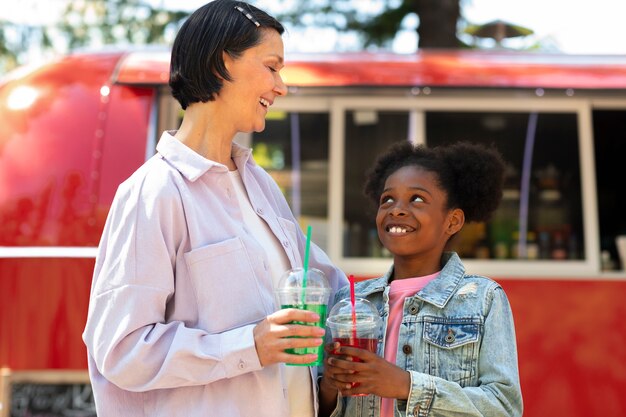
x=306 y=262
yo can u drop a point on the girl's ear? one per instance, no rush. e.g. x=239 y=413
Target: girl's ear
x=456 y=220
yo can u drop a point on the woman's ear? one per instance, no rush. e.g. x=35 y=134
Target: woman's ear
x=456 y=220
x=227 y=59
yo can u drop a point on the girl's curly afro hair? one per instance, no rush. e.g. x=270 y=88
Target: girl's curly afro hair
x=471 y=175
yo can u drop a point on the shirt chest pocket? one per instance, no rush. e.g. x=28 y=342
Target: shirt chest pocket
x=451 y=347
x=225 y=286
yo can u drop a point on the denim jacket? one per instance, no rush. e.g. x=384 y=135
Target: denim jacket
x=457 y=340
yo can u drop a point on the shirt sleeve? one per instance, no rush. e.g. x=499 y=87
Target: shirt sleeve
x=498 y=392
x=127 y=333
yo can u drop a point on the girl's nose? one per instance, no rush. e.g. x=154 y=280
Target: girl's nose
x=398 y=210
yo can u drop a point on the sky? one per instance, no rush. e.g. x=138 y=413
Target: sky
x=567 y=26
x=575 y=26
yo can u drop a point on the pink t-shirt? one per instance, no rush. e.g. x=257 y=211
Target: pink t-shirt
x=398 y=291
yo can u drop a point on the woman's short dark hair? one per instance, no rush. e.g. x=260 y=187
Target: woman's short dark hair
x=471 y=174
x=197 y=66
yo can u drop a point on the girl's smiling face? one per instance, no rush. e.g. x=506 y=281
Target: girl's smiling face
x=413 y=222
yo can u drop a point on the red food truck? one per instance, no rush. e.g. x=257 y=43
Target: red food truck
x=73 y=129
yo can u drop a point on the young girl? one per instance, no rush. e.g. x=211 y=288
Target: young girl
x=449 y=342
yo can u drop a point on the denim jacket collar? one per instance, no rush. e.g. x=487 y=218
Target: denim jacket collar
x=437 y=292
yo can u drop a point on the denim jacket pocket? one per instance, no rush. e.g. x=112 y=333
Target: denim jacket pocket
x=452 y=347
x=451 y=332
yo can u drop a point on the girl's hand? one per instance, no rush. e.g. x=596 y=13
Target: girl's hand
x=275 y=334
x=373 y=374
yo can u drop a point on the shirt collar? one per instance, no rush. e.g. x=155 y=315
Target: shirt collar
x=193 y=165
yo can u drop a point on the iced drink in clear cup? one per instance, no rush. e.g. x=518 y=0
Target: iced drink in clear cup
x=305 y=293
x=361 y=329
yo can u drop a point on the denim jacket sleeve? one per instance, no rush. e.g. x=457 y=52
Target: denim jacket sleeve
x=497 y=391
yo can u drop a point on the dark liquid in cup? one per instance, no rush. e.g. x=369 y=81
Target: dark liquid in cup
x=358 y=342
x=361 y=343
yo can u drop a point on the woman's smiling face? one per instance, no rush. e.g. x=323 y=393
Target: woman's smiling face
x=255 y=82
x=413 y=221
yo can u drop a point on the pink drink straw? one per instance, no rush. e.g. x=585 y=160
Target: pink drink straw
x=352 y=302
x=306 y=263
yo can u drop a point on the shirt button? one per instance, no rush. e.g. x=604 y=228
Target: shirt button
x=286 y=243
x=259 y=211
x=413 y=309
x=407 y=349
x=241 y=365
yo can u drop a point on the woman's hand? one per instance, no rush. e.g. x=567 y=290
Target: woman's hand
x=275 y=334
x=371 y=373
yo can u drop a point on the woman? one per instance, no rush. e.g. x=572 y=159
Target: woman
x=449 y=343
x=182 y=318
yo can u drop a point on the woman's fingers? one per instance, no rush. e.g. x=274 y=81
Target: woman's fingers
x=287 y=329
x=299 y=342
x=289 y=315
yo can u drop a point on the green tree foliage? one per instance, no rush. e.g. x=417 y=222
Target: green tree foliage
x=109 y=22
x=94 y=23
x=16 y=38
x=91 y=23
x=8 y=56
x=437 y=27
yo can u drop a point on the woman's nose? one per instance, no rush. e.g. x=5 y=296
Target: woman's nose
x=280 y=88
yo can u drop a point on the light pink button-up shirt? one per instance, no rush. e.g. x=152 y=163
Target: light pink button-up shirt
x=178 y=286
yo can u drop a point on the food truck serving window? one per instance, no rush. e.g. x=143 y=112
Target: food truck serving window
x=540 y=216
x=319 y=149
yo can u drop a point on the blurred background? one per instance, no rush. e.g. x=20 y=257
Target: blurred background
x=42 y=29
x=84 y=97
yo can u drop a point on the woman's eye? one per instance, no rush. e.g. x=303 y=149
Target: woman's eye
x=272 y=69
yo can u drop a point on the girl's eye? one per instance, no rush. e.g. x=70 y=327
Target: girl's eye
x=417 y=198
x=386 y=199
